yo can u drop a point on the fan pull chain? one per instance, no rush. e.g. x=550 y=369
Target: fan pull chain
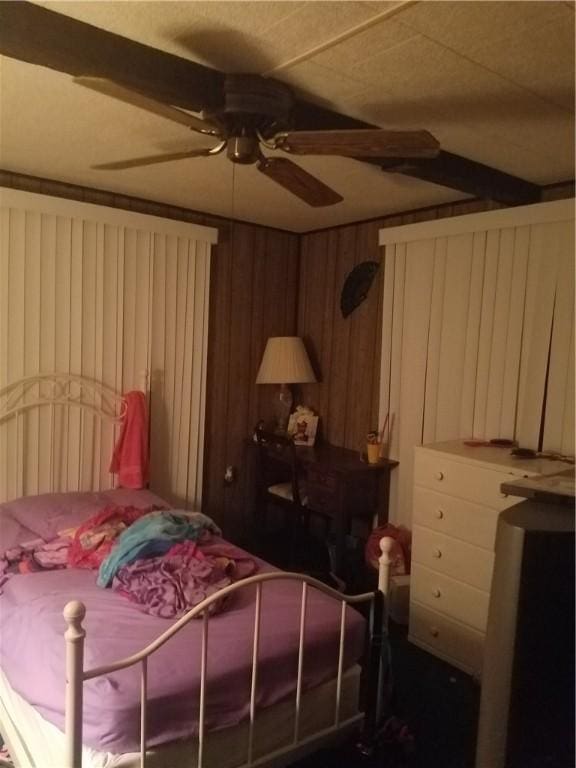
x=233 y=209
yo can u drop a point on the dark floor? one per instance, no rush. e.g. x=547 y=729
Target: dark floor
x=437 y=702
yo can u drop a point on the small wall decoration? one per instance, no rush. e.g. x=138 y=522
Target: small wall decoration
x=357 y=285
x=302 y=426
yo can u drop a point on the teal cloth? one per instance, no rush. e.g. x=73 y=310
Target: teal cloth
x=153 y=535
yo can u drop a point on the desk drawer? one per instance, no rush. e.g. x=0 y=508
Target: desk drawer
x=449 y=515
x=454 y=558
x=458 y=644
x=322 y=490
x=322 y=479
x=321 y=499
x=466 y=481
x=450 y=597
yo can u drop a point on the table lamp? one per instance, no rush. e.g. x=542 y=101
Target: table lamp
x=285 y=361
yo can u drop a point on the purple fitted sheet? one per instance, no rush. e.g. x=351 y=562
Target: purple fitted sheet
x=32 y=655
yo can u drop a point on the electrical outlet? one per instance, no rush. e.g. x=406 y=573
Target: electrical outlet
x=229 y=475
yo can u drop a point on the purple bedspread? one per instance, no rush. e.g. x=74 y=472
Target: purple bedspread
x=32 y=655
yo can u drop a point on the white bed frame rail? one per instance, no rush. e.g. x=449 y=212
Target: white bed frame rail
x=76 y=675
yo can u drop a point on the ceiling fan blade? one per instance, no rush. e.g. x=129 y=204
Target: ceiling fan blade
x=129 y=96
x=137 y=162
x=360 y=143
x=298 y=181
x=447 y=169
x=34 y=34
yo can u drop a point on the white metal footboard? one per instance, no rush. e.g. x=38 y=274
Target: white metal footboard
x=75 y=611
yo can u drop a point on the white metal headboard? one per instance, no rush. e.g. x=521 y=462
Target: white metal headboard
x=57 y=432
x=60 y=389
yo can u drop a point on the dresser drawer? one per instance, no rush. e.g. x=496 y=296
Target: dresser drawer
x=453 y=557
x=450 y=597
x=458 y=644
x=455 y=517
x=467 y=481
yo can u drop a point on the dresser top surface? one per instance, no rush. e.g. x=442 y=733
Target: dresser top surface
x=558 y=488
x=496 y=457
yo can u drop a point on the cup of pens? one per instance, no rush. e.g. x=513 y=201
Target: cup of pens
x=372 y=448
x=376 y=447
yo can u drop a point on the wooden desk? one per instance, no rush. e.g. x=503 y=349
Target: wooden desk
x=338 y=485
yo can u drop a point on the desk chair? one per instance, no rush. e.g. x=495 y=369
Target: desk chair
x=277 y=451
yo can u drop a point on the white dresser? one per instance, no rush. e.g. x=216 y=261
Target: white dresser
x=457 y=500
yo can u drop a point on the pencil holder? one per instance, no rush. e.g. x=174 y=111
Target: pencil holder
x=373 y=453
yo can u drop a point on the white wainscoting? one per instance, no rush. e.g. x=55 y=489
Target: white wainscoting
x=478 y=333
x=107 y=294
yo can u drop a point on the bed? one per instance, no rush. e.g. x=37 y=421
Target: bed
x=270 y=678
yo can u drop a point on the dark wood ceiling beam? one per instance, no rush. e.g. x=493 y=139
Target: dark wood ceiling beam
x=312 y=117
x=467 y=176
x=39 y=36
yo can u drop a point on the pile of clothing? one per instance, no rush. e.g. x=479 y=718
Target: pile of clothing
x=164 y=562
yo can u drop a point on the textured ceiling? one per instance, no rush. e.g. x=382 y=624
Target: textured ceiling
x=493 y=81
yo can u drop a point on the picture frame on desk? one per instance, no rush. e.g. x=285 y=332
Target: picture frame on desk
x=303 y=428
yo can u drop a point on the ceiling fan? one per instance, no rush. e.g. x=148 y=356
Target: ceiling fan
x=246 y=115
x=255 y=113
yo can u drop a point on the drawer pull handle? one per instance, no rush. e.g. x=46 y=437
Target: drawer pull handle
x=439 y=475
x=434 y=631
x=436 y=592
x=439 y=514
x=437 y=553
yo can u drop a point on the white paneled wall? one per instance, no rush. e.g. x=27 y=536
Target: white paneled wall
x=478 y=333
x=106 y=294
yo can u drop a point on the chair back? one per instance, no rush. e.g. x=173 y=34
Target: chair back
x=275 y=448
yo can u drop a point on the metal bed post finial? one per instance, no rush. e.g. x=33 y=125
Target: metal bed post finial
x=384 y=563
x=378 y=662
x=367 y=742
x=74 y=613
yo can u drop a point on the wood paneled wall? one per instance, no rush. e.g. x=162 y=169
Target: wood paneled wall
x=267 y=282
x=346 y=352
x=253 y=296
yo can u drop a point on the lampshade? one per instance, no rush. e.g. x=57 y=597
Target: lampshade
x=285 y=361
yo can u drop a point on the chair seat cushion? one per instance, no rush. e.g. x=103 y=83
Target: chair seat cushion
x=284 y=491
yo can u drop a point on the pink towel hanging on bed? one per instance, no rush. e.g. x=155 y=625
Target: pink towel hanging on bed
x=130 y=459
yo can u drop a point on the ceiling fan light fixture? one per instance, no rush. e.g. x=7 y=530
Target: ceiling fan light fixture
x=242 y=149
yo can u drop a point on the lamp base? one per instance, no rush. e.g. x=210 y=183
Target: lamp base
x=283 y=407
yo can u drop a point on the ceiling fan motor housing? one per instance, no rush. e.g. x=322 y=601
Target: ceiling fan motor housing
x=253 y=103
